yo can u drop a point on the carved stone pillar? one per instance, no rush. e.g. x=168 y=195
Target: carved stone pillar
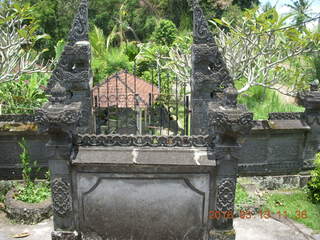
x=73 y=70
x=230 y=124
x=60 y=119
x=311 y=101
x=210 y=75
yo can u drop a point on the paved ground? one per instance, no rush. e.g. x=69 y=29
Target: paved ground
x=249 y=229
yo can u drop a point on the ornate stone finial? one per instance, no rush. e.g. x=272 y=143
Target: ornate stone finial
x=80 y=27
x=230 y=96
x=58 y=94
x=201 y=31
x=314 y=86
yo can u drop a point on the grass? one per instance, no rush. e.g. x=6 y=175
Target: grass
x=262 y=101
x=297 y=206
x=242 y=197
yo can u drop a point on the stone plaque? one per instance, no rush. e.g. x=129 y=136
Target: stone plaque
x=143 y=206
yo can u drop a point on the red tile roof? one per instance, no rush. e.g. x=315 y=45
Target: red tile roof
x=120 y=90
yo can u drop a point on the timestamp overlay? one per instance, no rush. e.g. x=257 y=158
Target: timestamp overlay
x=263 y=214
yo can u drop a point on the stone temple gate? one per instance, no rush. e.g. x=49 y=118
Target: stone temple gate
x=141 y=187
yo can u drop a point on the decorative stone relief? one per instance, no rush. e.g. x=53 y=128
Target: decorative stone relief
x=91 y=236
x=226 y=194
x=144 y=141
x=286 y=116
x=62 y=201
x=64 y=235
x=17 y=118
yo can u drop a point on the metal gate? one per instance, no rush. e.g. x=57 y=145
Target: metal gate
x=126 y=104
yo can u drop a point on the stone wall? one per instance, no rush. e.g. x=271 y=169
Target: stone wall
x=274 y=147
x=11 y=133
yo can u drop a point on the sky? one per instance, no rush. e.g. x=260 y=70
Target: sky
x=283 y=9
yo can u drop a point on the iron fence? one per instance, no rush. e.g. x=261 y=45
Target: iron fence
x=127 y=104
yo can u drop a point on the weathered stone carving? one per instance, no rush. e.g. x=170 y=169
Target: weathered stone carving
x=79 y=31
x=62 y=201
x=201 y=33
x=230 y=124
x=210 y=75
x=55 y=114
x=286 y=116
x=91 y=236
x=225 y=194
x=64 y=235
x=17 y=118
x=144 y=141
x=229 y=120
x=310 y=99
x=73 y=69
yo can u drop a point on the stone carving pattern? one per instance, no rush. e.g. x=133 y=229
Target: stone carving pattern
x=79 y=31
x=201 y=33
x=312 y=118
x=56 y=235
x=286 y=116
x=62 y=202
x=17 y=118
x=224 y=121
x=67 y=117
x=144 y=141
x=91 y=236
x=226 y=194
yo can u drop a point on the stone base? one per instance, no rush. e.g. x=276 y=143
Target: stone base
x=222 y=234
x=27 y=213
x=57 y=235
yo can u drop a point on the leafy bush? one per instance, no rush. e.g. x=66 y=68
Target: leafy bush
x=131 y=51
x=30 y=191
x=25 y=94
x=314 y=183
x=33 y=193
x=165 y=33
x=27 y=166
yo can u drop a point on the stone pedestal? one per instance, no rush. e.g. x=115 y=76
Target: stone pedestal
x=60 y=119
x=311 y=101
x=230 y=124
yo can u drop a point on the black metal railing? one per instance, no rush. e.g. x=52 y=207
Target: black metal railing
x=127 y=104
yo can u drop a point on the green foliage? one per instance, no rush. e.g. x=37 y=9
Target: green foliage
x=300 y=9
x=165 y=33
x=107 y=61
x=24 y=95
x=295 y=205
x=27 y=166
x=54 y=18
x=24 y=12
x=242 y=197
x=30 y=191
x=314 y=183
x=33 y=193
x=262 y=101
x=131 y=50
x=261 y=49
x=58 y=49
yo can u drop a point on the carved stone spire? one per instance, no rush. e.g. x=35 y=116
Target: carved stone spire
x=73 y=72
x=201 y=31
x=210 y=76
x=80 y=27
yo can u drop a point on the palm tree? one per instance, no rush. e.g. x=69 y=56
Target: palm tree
x=118 y=33
x=300 y=9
